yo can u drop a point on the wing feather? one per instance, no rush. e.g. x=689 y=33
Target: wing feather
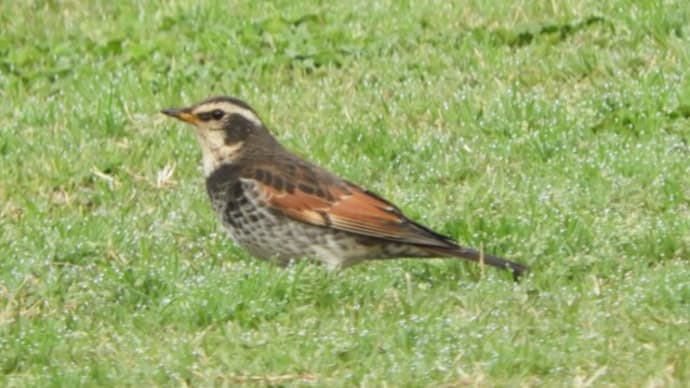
x=327 y=201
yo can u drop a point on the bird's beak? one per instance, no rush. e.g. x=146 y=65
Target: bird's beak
x=181 y=114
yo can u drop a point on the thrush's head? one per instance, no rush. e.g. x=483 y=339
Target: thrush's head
x=226 y=128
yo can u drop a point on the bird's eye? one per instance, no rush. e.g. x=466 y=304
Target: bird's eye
x=217 y=114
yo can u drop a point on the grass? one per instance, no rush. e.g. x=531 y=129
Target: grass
x=554 y=133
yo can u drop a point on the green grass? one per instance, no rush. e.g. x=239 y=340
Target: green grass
x=554 y=133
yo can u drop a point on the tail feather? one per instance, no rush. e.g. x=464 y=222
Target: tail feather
x=479 y=257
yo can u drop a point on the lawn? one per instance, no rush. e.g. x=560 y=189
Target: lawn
x=555 y=133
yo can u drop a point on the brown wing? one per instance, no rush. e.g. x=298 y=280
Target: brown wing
x=314 y=196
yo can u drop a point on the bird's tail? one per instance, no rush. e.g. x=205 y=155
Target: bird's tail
x=479 y=257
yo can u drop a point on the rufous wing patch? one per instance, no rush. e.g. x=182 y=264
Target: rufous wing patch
x=347 y=207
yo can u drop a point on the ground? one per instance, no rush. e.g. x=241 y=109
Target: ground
x=555 y=133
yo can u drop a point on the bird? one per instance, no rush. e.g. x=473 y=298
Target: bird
x=282 y=208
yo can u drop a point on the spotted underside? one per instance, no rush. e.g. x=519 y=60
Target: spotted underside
x=252 y=206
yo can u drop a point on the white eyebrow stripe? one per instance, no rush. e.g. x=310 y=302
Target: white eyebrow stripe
x=229 y=109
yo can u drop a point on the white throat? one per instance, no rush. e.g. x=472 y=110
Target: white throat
x=214 y=150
